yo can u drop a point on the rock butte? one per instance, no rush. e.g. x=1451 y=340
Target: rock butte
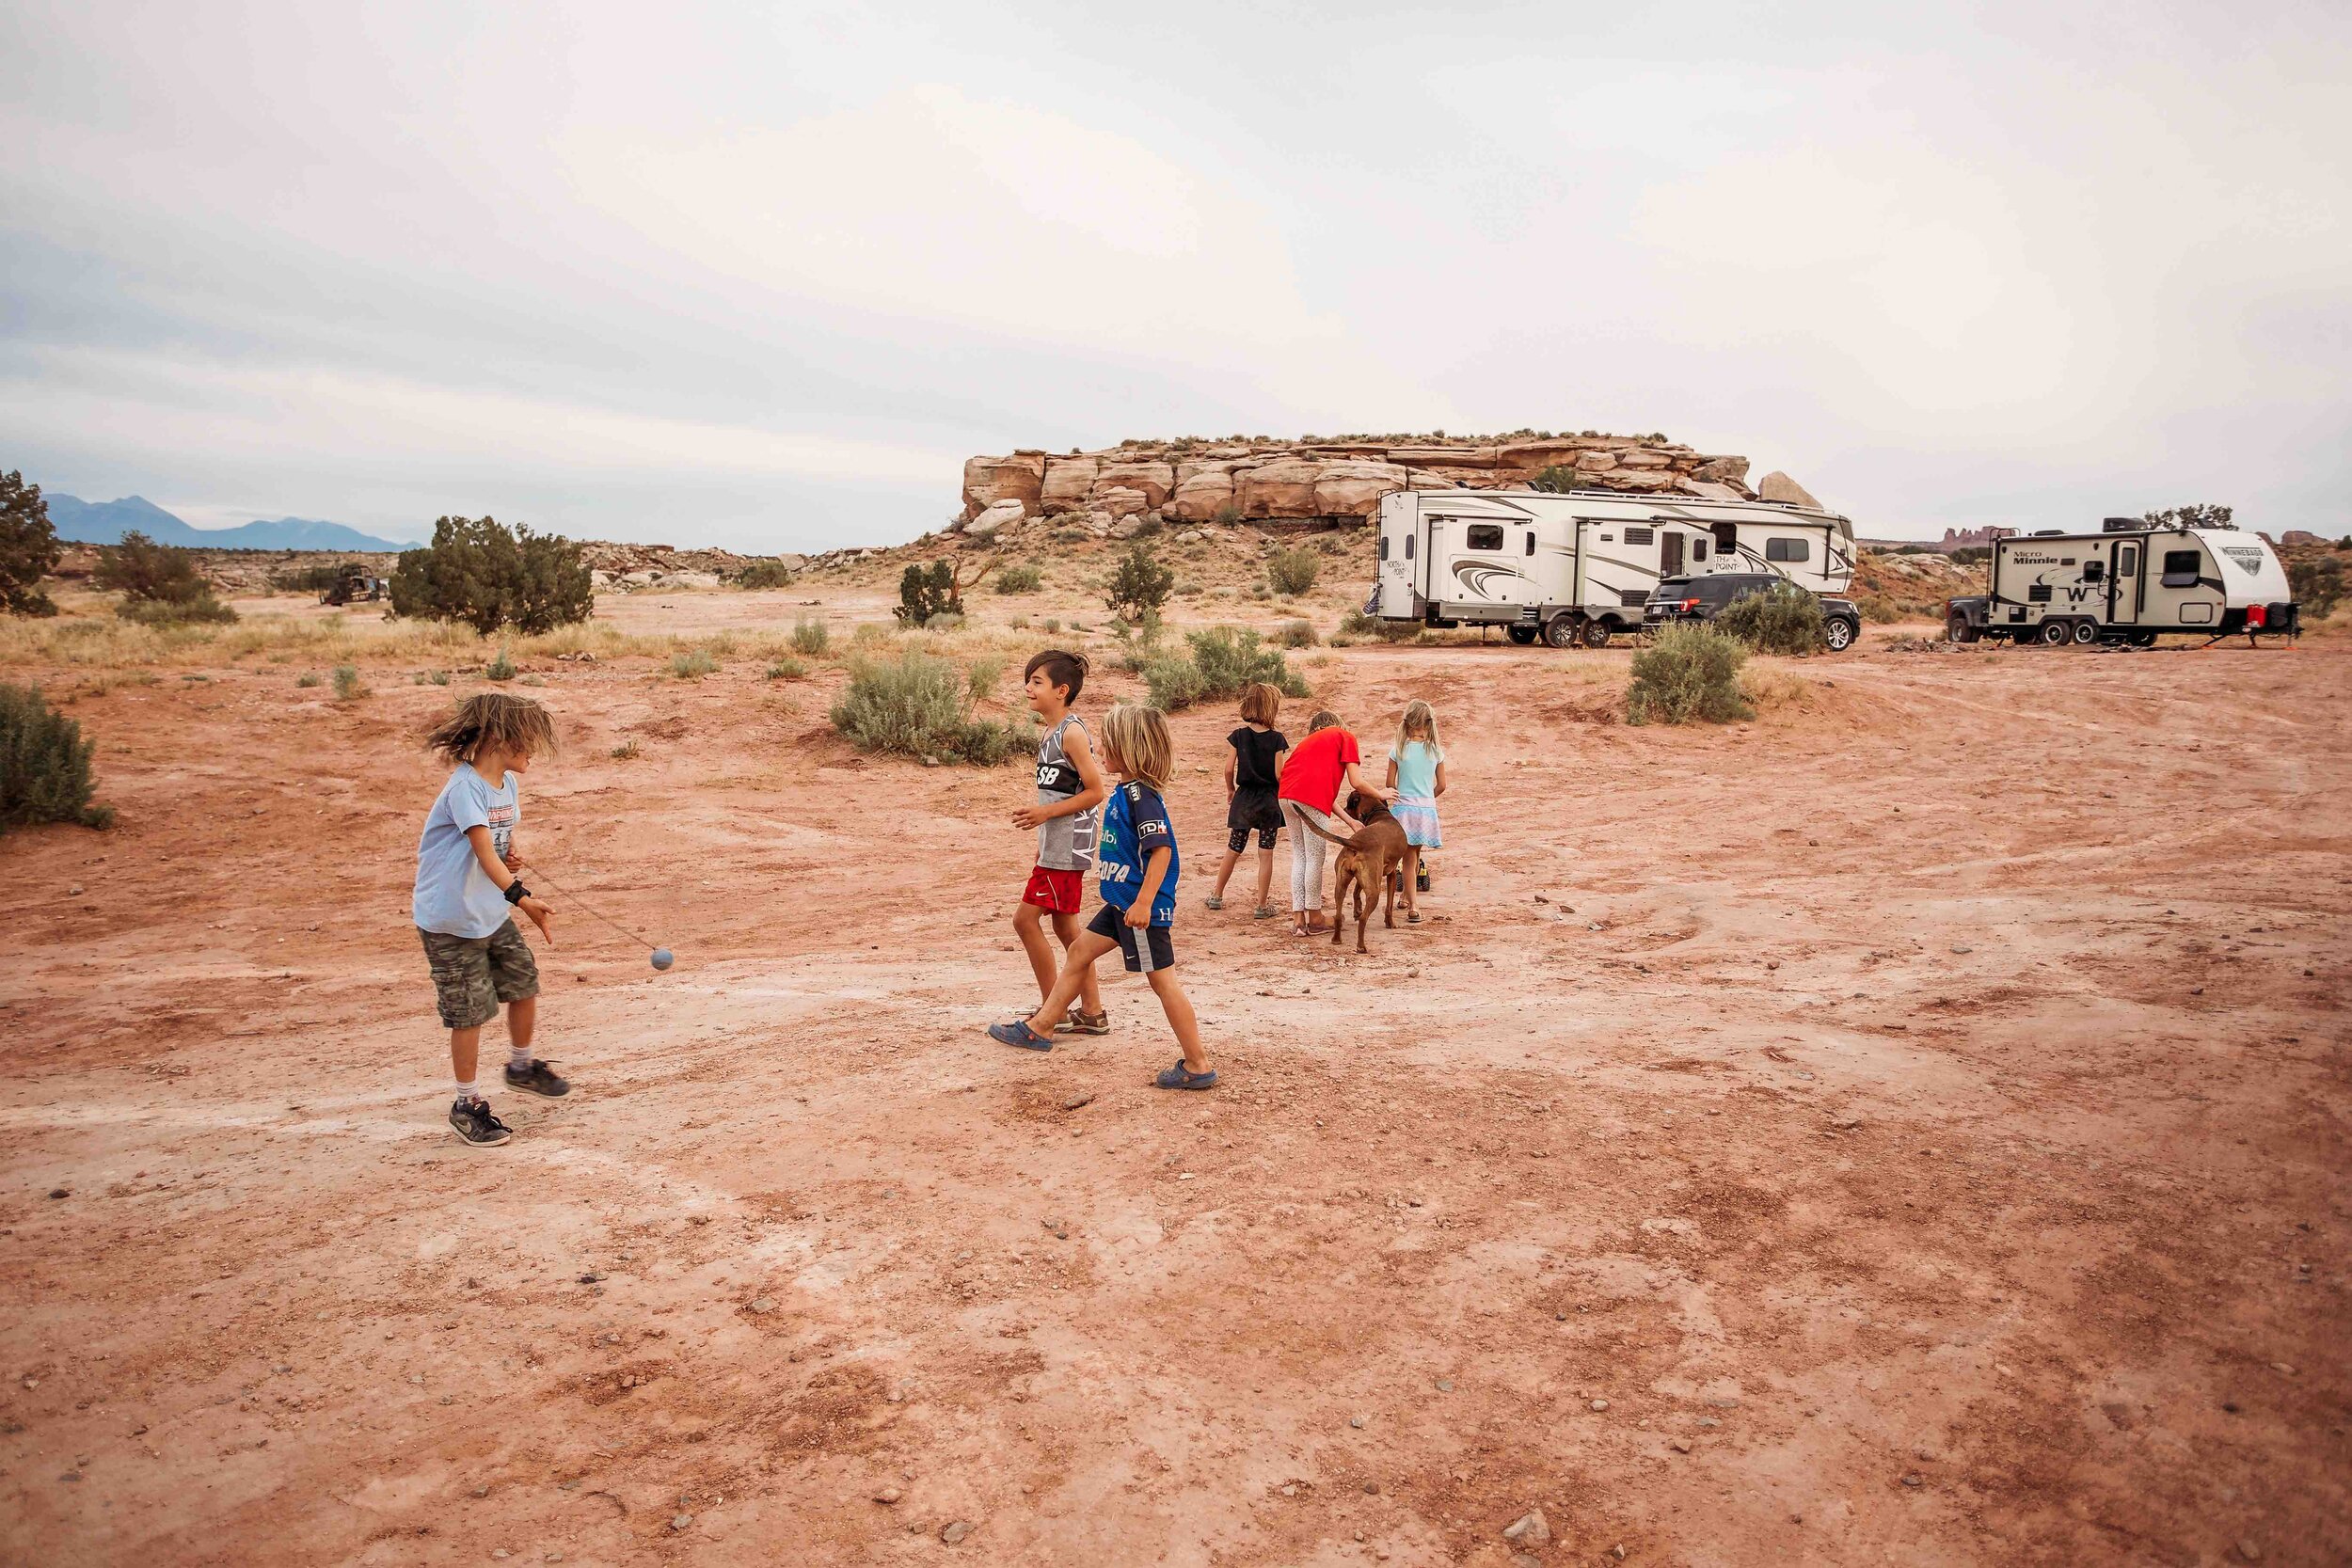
x=1320 y=483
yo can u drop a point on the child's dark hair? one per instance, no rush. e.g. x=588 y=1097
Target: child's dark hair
x=1062 y=667
x=493 y=720
x=1323 y=719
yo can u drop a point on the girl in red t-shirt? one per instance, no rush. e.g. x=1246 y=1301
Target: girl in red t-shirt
x=1317 y=769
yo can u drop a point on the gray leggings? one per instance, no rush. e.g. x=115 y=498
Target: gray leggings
x=1306 y=856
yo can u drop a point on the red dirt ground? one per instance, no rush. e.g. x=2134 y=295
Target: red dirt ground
x=1921 y=1115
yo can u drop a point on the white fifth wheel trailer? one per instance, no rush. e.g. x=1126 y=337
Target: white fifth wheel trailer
x=1578 y=567
x=2127 y=584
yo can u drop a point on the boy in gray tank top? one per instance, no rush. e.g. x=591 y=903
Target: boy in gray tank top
x=1070 y=796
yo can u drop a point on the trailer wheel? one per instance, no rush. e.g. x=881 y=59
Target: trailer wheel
x=1960 y=629
x=1524 y=635
x=1596 y=634
x=2086 y=631
x=2054 y=633
x=1561 y=631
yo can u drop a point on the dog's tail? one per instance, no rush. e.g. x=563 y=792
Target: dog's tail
x=1320 y=832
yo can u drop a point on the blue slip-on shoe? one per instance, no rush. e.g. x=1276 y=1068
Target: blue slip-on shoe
x=1019 y=1032
x=1183 y=1077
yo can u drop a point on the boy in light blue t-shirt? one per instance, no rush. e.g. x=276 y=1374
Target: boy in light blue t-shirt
x=467 y=885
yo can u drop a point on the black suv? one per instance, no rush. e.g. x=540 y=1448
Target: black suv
x=1708 y=595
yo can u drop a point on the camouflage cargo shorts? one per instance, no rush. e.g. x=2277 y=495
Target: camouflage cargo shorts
x=472 y=976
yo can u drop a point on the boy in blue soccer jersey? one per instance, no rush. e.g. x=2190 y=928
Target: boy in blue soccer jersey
x=1138 y=866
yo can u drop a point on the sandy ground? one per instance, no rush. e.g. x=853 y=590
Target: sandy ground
x=1919 y=1115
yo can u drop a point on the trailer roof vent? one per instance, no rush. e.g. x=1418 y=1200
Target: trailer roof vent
x=2121 y=525
x=2049 y=533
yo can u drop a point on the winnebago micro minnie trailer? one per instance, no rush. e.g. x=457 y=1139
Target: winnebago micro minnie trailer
x=1578 y=567
x=2127 y=584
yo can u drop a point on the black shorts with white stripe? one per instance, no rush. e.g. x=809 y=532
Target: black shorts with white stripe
x=1153 y=951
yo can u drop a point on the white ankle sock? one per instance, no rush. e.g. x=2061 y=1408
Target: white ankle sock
x=517 y=1057
x=465 y=1090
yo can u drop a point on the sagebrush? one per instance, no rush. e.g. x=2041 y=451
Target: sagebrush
x=766 y=571
x=920 y=706
x=1292 y=571
x=810 y=637
x=1690 y=672
x=1223 y=660
x=1019 y=579
x=44 y=763
x=1783 y=619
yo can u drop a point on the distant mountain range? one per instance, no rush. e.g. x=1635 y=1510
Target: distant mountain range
x=105 y=523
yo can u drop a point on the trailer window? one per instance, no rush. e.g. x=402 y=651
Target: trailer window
x=1409 y=546
x=1699 y=549
x=2127 y=561
x=1483 y=536
x=1641 y=536
x=1384 y=547
x=2095 y=571
x=1786 y=549
x=1531 y=541
x=2180 y=568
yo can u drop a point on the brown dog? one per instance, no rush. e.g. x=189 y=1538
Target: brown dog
x=1365 y=861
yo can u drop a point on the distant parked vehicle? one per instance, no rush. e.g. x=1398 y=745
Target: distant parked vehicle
x=1702 y=598
x=352 y=586
x=2129 y=583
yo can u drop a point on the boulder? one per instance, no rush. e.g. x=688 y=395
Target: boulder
x=1535 y=456
x=989 y=480
x=1203 y=490
x=1636 y=479
x=1120 y=501
x=1282 y=488
x=1157 y=481
x=1127 y=528
x=1594 y=461
x=1453 y=457
x=1699 y=486
x=1777 y=486
x=1642 y=457
x=1098 y=523
x=1003 y=515
x=1067 y=481
x=1351 y=487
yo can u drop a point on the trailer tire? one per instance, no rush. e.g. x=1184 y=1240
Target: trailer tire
x=1839 y=633
x=2056 y=633
x=1561 y=631
x=1960 y=629
x=1596 y=634
x=1524 y=635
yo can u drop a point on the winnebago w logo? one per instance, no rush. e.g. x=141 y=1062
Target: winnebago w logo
x=2247 y=561
x=1483 y=580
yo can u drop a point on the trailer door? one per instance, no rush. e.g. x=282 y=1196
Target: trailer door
x=2123 y=585
x=1400 y=521
x=1669 y=554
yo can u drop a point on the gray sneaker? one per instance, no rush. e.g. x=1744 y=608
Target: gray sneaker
x=538 y=1077
x=476 y=1125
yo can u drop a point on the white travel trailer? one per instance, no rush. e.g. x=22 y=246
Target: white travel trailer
x=2128 y=584
x=1579 y=566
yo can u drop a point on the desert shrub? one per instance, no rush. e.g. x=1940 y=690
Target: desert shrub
x=810 y=637
x=500 y=668
x=1019 y=579
x=925 y=592
x=2195 y=514
x=1297 y=634
x=1969 y=555
x=1690 y=671
x=201 y=611
x=693 y=665
x=44 y=763
x=479 y=573
x=347 y=687
x=308 y=679
x=1557 y=479
x=786 y=670
x=1141 y=584
x=627 y=751
x=28 y=547
x=1884 y=610
x=766 y=571
x=980 y=678
x=1783 y=619
x=1292 y=571
x=2317 y=585
x=1222 y=660
x=1356 y=624
x=946 y=620
x=1227 y=515
x=1052 y=624
x=920 y=706
x=1149 y=527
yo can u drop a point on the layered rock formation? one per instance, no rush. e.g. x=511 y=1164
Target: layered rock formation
x=1313 y=483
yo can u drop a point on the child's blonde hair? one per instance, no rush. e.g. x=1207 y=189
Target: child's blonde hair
x=1260 y=703
x=1420 y=724
x=1323 y=719
x=496 y=721
x=1137 y=740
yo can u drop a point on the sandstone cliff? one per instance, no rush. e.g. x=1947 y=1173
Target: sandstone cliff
x=1311 y=481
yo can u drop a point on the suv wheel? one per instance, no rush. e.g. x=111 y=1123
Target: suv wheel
x=1560 y=631
x=1839 y=633
x=1596 y=634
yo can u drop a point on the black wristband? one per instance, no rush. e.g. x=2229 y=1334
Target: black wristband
x=515 y=891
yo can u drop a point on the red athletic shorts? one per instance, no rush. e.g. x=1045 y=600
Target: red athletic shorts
x=1061 y=892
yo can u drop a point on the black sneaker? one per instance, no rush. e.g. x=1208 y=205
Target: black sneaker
x=538 y=1077
x=476 y=1125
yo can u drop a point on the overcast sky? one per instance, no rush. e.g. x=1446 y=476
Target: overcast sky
x=763 y=276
